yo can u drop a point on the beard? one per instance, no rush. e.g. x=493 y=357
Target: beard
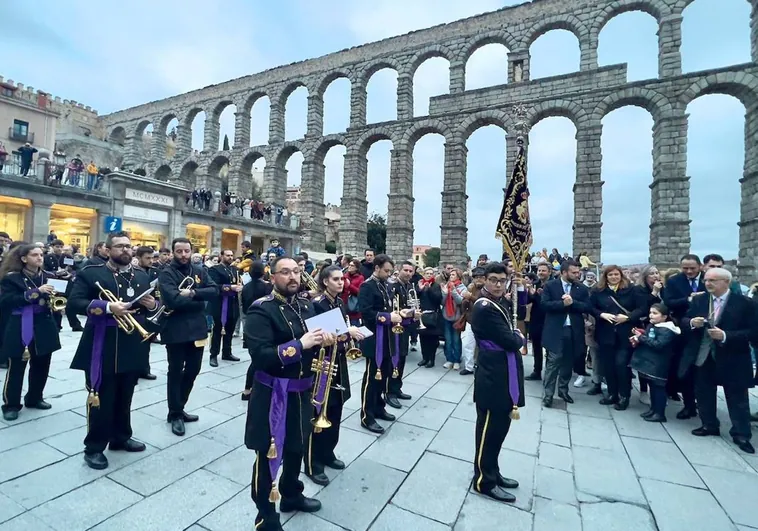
x=291 y=287
x=123 y=259
x=182 y=259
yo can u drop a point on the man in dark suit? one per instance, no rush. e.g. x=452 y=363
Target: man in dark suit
x=565 y=301
x=679 y=291
x=537 y=319
x=721 y=326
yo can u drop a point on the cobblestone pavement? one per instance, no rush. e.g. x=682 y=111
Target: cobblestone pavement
x=590 y=468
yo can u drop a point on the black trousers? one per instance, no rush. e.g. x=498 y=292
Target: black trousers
x=73 y=320
x=111 y=422
x=429 y=345
x=289 y=486
x=217 y=338
x=559 y=365
x=321 y=445
x=372 y=389
x=491 y=429
x=614 y=366
x=184 y=361
x=658 y=398
x=395 y=385
x=537 y=351
x=685 y=384
x=736 y=401
x=39 y=368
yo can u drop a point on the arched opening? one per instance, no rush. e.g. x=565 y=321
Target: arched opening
x=378 y=177
x=428 y=182
x=197 y=127
x=334 y=172
x=260 y=113
x=296 y=114
x=432 y=78
x=551 y=174
x=251 y=176
x=144 y=139
x=171 y=136
x=381 y=96
x=715 y=161
x=337 y=106
x=728 y=34
x=627 y=170
x=163 y=173
x=554 y=53
x=117 y=136
x=487 y=66
x=294 y=169
x=615 y=44
x=218 y=175
x=188 y=175
x=226 y=127
x=485 y=181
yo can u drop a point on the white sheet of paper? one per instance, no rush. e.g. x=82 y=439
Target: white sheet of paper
x=245 y=278
x=148 y=291
x=331 y=322
x=58 y=284
x=68 y=261
x=365 y=331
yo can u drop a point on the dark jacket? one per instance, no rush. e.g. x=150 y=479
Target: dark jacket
x=254 y=290
x=187 y=322
x=648 y=299
x=26 y=154
x=677 y=293
x=322 y=304
x=652 y=357
x=556 y=312
x=602 y=301
x=224 y=277
x=430 y=300
x=375 y=306
x=367 y=269
x=537 y=314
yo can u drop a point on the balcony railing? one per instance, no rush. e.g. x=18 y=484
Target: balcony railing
x=55 y=174
x=291 y=221
x=18 y=136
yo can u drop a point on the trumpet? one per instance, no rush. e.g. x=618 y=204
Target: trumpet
x=325 y=369
x=308 y=281
x=187 y=283
x=127 y=322
x=415 y=303
x=398 y=328
x=353 y=352
x=57 y=303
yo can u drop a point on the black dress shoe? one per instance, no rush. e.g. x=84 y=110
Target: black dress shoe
x=648 y=413
x=534 y=376
x=422 y=363
x=149 y=376
x=595 y=390
x=383 y=415
x=404 y=396
x=547 y=401
x=374 y=427
x=754 y=417
x=623 y=403
x=655 y=417
x=98 y=461
x=609 y=401
x=177 y=427
x=336 y=465
x=497 y=493
x=302 y=504
x=230 y=357
x=246 y=397
x=319 y=479
x=686 y=413
x=189 y=417
x=40 y=404
x=392 y=402
x=566 y=398
x=429 y=364
x=465 y=372
x=10 y=415
x=506 y=483
x=4 y=364
x=702 y=431
x=130 y=445
x=214 y=361
x=744 y=445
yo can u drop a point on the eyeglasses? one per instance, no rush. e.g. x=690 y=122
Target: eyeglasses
x=288 y=272
x=121 y=246
x=497 y=281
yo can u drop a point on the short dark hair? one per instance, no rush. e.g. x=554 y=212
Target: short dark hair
x=381 y=259
x=98 y=245
x=408 y=263
x=257 y=269
x=180 y=240
x=142 y=251
x=713 y=258
x=494 y=268
x=6 y=235
x=567 y=264
x=304 y=255
x=477 y=272
x=662 y=308
x=324 y=275
x=544 y=264
x=109 y=239
x=56 y=242
x=695 y=258
x=164 y=250
x=275 y=261
x=348 y=257
x=247 y=245
x=369 y=249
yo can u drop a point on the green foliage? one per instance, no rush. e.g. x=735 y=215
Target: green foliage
x=376 y=236
x=331 y=247
x=432 y=257
x=256 y=192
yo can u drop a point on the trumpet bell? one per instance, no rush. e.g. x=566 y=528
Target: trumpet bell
x=354 y=354
x=58 y=304
x=321 y=423
x=398 y=329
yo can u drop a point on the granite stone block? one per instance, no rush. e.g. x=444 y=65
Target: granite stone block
x=662 y=461
x=479 y=513
x=735 y=492
x=550 y=516
x=401 y=446
x=26 y=458
x=428 y=413
x=606 y=474
x=393 y=518
x=677 y=507
x=616 y=517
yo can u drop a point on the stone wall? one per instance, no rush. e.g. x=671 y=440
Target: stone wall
x=105 y=154
x=585 y=97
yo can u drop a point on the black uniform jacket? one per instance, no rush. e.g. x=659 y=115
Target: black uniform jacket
x=187 y=322
x=401 y=290
x=324 y=303
x=18 y=290
x=375 y=305
x=537 y=314
x=556 y=312
x=225 y=277
x=254 y=290
x=677 y=294
x=495 y=338
x=633 y=303
x=431 y=302
x=122 y=353
x=272 y=332
x=52 y=262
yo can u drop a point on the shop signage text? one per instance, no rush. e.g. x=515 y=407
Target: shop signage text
x=145 y=214
x=149 y=197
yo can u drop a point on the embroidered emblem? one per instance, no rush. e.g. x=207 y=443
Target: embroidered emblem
x=289 y=352
x=97 y=311
x=34 y=295
x=226 y=288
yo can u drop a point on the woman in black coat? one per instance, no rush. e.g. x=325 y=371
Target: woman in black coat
x=650 y=288
x=430 y=300
x=251 y=292
x=30 y=334
x=615 y=302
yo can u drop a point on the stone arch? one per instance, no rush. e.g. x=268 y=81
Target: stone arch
x=246 y=163
x=192 y=114
x=556 y=22
x=745 y=90
x=329 y=79
x=283 y=155
x=289 y=89
x=563 y=108
x=328 y=142
x=218 y=162
x=421 y=128
x=493 y=37
x=655 y=8
x=117 y=135
x=654 y=102
x=163 y=173
x=163 y=123
x=188 y=174
x=481 y=119
x=141 y=126
x=372 y=68
x=371 y=137
x=427 y=53
x=247 y=106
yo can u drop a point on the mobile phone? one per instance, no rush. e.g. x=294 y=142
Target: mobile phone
x=707 y=324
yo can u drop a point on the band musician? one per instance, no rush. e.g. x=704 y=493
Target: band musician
x=321 y=444
x=185 y=288
x=111 y=357
x=401 y=288
x=145 y=263
x=279 y=409
x=225 y=309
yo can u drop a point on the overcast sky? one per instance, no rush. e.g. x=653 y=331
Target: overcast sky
x=113 y=56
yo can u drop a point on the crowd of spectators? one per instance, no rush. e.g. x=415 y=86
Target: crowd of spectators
x=230 y=204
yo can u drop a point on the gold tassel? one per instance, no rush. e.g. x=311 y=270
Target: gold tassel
x=271 y=450
x=515 y=415
x=96 y=400
x=90 y=398
x=378 y=374
x=26 y=355
x=274 y=496
x=316 y=430
x=223 y=331
x=395 y=373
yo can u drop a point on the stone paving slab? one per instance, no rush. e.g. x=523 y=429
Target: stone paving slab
x=584 y=467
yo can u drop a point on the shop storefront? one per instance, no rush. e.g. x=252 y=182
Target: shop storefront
x=200 y=236
x=147 y=226
x=13 y=216
x=231 y=239
x=73 y=225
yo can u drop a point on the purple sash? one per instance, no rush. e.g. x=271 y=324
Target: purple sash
x=225 y=305
x=513 y=388
x=380 y=329
x=99 y=324
x=27 y=321
x=277 y=416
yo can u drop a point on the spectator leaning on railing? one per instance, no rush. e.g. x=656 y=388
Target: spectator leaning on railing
x=92 y=172
x=27 y=154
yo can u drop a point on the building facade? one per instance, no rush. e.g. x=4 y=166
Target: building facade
x=419 y=254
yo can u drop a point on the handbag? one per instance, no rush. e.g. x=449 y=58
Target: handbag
x=460 y=324
x=352 y=304
x=430 y=319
